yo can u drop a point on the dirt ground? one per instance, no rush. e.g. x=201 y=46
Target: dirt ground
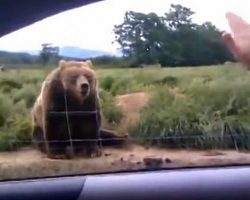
x=27 y=162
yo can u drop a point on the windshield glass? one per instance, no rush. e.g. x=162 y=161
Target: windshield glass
x=125 y=85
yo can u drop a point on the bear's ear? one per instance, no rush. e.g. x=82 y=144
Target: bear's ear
x=62 y=64
x=89 y=63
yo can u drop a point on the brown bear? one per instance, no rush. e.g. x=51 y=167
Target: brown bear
x=66 y=115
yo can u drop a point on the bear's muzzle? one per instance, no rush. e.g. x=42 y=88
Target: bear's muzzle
x=84 y=89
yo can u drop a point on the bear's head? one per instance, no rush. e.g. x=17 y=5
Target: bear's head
x=78 y=78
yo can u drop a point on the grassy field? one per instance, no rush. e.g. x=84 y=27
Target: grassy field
x=203 y=108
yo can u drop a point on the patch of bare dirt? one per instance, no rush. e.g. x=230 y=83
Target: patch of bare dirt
x=31 y=163
x=131 y=105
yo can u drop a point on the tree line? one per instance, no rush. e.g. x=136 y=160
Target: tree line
x=170 y=40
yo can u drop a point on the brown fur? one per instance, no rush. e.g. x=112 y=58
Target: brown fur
x=50 y=131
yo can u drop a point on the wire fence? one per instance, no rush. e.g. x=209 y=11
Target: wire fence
x=137 y=139
x=72 y=113
x=235 y=140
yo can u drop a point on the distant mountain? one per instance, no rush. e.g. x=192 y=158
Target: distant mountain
x=4 y=54
x=77 y=52
x=65 y=51
x=7 y=58
x=21 y=58
x=33 y=52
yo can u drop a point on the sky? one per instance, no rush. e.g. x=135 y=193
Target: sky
x=91 y=26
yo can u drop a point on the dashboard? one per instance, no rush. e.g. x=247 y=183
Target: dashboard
x=175 y=184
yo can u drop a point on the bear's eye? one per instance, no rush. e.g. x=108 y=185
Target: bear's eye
x=73 y=78
x=89 y=78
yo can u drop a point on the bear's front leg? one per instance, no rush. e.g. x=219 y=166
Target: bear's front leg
x=56 y=146
x=93 y=148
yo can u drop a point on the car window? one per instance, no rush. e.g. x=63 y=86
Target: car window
x=123 y=85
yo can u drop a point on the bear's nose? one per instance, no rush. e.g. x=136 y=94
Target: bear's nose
x=84 y=87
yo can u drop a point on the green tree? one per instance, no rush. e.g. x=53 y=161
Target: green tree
x=171 y=40
x=178 y=17
x=140 y=36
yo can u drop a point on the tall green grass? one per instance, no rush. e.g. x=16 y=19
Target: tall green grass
x=204 y=107
x=201 y=111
